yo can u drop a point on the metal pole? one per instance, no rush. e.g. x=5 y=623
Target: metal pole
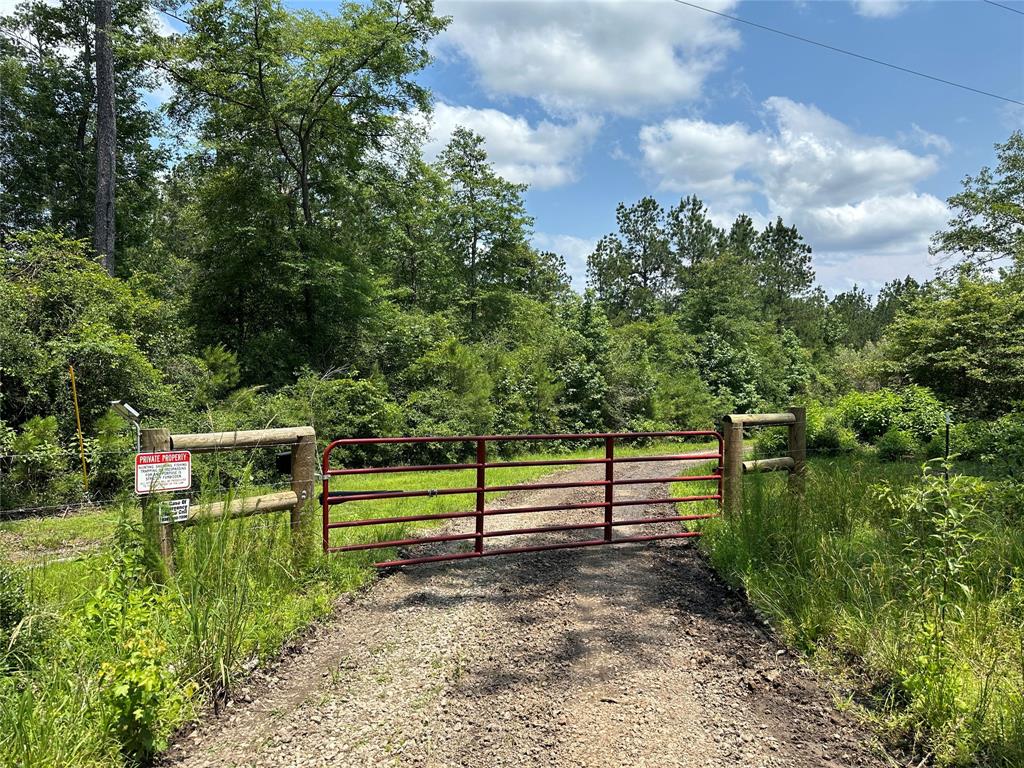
x=481 y=500
x=78 y=425
x=609 y=488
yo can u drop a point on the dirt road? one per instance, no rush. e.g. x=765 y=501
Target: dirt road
x=608 y=656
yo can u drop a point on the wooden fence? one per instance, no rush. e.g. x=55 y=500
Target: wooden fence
x=734 y=466
x=303 y=466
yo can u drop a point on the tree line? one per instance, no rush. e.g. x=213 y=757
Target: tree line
x=285 y=251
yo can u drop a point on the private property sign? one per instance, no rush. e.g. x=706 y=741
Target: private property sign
x=164 y=471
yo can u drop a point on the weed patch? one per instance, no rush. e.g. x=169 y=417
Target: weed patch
x=904 y=581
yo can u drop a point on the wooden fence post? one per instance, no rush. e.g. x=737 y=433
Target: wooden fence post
x=303 y=477
x=797 y=445
x=732 y=486
x=160 y=538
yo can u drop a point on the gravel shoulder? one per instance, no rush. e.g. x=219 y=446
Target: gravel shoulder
x=635 y=655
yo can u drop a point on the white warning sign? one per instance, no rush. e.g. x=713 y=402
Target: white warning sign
x=174 y=511
x=161 y=472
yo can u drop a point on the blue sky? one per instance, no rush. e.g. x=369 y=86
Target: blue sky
x=598 y=102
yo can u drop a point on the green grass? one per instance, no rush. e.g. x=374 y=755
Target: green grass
x=903 y=585
x=35 y=538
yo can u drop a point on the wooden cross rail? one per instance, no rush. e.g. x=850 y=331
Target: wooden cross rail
x=734 y=467
x=303 y=471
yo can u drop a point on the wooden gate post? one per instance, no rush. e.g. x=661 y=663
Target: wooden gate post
x=160 y=538
x=732 y=486
x=797 y=444
x=303 y=476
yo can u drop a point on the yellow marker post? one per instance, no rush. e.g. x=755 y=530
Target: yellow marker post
x=78 y=424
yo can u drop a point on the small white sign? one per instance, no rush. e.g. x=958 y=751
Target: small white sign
x=161 y=472
x=174 y=511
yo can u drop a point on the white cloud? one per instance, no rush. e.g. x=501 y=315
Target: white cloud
x=848 y=193
x=614 y=56
x=813 y=159
x=881 y=222
x=574 y=250
x=880 y=9
x=694 y=154
x=542 y=155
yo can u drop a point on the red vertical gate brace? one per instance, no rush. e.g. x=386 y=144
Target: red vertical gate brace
x=481 y=484
x=609 y=489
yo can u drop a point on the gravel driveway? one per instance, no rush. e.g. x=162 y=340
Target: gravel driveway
x=635 y=655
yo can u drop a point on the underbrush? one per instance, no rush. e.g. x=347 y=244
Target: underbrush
x=905 y=583
x=103 y=663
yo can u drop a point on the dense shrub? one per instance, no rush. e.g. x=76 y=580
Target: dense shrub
x=833 y=438
x=897 y=444
x=998 y=443
x=872 y=414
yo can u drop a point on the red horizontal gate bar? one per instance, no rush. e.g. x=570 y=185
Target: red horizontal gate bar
x=480 y=489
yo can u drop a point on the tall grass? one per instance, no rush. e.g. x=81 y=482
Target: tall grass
x=124 y=661
x=903 y=581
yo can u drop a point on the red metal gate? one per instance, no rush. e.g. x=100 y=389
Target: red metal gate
x=480 y=489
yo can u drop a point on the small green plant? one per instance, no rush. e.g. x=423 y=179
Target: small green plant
x=125 y=620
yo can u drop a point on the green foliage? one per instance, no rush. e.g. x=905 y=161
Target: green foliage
x=832 y=438
x=999 y=444
x=988 y=214
x=60 y=308
x=871 y=414
x=965 y=341
x=904 y=588
x=897 y=444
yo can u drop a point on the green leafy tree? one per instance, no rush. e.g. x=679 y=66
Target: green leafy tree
x=850 y=319
x=987 y=227
x=58 y=307
x=633 y=272
x=297 y=113
x=694 y=238
x=965 y=341
x=721 y=287
x=486 y=225
x=48 y=119
x=895 y=296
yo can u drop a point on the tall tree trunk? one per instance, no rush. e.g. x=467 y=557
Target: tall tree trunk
x=106 y=138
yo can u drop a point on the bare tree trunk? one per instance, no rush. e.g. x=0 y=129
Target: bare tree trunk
x=106 y=138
